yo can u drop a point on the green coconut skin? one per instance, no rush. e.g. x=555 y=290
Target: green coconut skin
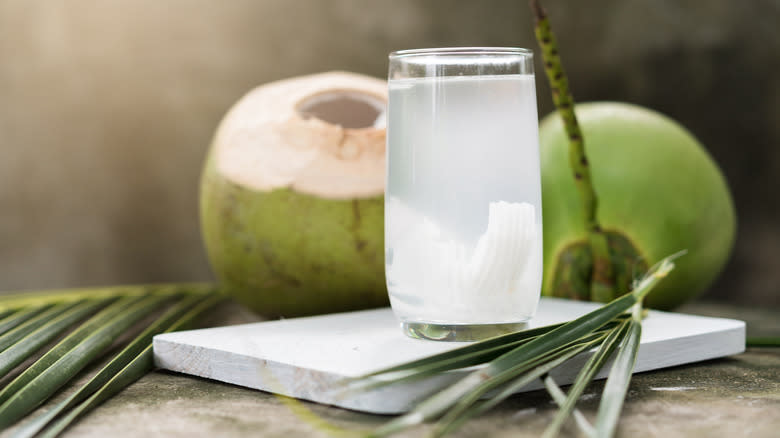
x=283 y=253
x=656 y=185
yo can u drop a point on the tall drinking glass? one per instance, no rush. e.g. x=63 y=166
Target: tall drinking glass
x=463 y=207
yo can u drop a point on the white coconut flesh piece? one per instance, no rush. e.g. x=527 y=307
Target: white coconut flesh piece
x=323 y=135
x=476 y=283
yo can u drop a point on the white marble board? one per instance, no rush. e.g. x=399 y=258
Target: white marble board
x=307 y=357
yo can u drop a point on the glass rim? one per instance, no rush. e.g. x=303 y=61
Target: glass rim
x=445 y=51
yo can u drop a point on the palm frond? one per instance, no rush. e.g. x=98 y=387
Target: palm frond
x=500 y=370
x=560 y=399
x=763 y=341
x=17 y=300
x=70 y=356
x=18 y=317
x=523 y=376
x=101 y=317
x=127 y=366
x=12 y=336
x=498 y=342
x=617 y=382
x=586 y=375
x=45 y=333
x=524 y=359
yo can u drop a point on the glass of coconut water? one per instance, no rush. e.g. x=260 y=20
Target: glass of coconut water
x=463 y=209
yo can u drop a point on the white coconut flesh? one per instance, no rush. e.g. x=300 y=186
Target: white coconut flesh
x=323 y=135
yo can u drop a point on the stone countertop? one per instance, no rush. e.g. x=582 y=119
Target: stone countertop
x=737 y=396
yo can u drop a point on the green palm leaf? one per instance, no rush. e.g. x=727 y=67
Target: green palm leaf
x=137 y=368
x=14 y=301
x=617 y=382
x=5 y=312
x=462 y=357
x=497 y=343
x=12 y=336
x=499 y=371
x=25 y=347
x=560 y=399
x=762 y=341
x=586 y=375
x=126 y=363
x=71 y=355
x=533 y=358
x=30 y=321
x=18 y=317
x=522 y=377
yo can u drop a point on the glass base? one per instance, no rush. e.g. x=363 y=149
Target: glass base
x=459 y=332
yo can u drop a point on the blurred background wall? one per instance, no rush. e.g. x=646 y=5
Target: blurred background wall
x=107 y=109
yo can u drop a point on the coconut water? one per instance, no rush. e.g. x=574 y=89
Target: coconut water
x=463 y=225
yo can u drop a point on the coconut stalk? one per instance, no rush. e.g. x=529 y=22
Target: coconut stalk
x=602 y=286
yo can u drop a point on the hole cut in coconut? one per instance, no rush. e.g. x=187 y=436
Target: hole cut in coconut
x=348 y=109
x=320 y=135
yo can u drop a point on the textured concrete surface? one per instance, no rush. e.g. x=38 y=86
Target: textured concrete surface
x=730 y=397
x=107 y=108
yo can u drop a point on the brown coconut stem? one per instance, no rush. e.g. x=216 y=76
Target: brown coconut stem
x=602 y=281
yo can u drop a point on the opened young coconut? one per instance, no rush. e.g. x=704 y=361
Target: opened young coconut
x=292 y=196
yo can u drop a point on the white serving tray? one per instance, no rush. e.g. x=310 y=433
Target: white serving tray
x=307 y=357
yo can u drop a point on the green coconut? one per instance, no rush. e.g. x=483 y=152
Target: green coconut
x=658 y=190
x=292 y=196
